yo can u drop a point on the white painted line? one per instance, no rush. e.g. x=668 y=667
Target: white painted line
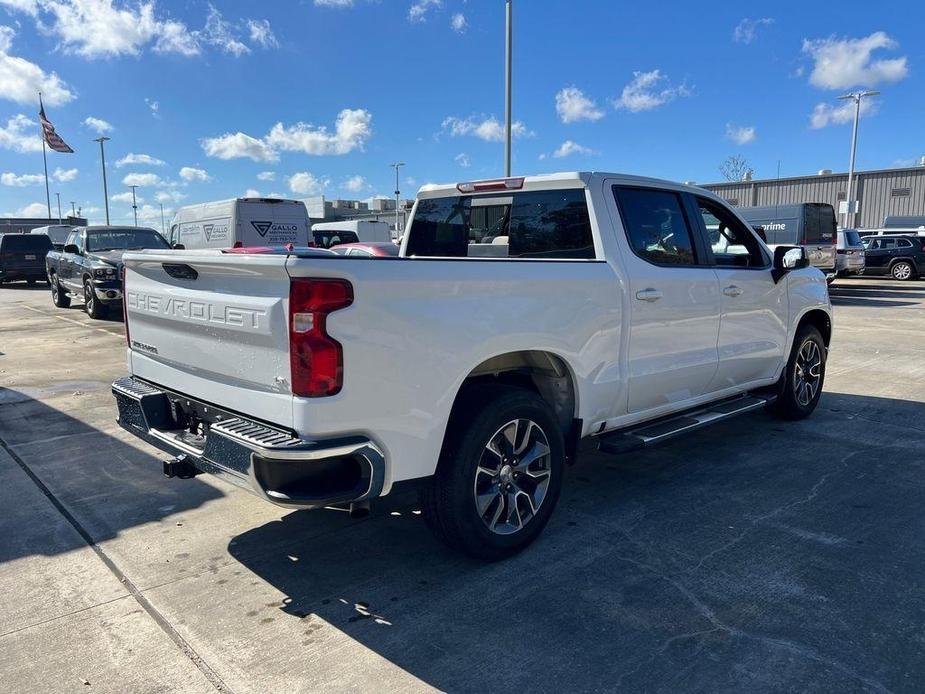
x=71 y=320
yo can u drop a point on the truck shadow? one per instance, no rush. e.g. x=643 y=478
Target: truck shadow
x=704 y=561
x=106 y=484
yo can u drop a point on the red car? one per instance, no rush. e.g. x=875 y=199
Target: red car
x=378 y=249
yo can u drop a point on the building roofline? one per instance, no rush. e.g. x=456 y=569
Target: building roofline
x=815 y=177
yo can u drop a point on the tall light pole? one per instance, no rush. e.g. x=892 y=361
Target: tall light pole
x=508 y=84
x=849 y=203
x=163 y=226
x=101 y=140
x=397 y=165
x=58 y=195
x=134 y=204
x=74 y=209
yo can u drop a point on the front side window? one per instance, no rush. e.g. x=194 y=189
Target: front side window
x=71 y=239
x=656 y=225
x=732 y=244
x=551 y=224
x=124 y=239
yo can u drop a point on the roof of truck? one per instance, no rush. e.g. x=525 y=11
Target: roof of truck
x=565 y=179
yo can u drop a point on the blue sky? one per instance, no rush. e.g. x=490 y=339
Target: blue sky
x=319 y=96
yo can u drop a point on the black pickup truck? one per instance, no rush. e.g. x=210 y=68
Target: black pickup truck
x=90 y=265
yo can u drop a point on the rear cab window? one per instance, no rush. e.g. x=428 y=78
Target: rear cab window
x=529 y=225
x=327 y=239
x=25 y=243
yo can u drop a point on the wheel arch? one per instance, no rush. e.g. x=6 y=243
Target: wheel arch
x=820 y=320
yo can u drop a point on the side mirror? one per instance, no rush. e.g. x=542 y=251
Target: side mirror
x=787 y=258
x=71 y=248
x=178 y=247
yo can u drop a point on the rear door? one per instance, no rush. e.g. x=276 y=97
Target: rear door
x=675 y=303
x=213 y=326
x=877 y=256
x=272 y=223
x=819 y=234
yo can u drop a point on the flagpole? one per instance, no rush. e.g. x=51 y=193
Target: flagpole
x=45 y=161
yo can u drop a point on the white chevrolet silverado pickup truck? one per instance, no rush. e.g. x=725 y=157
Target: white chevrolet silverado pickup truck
x=526 y=319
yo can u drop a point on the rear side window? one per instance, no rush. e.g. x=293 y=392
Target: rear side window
x=819 y=224
x=852 y=238
x=25 y=243
x=656 y=225
x=551 y=224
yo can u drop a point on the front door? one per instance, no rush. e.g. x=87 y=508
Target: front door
x=753 y=320
x=674 y=298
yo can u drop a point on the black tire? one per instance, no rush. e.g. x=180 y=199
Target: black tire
x=902 y=270
x=94 y=307
x=792 y=401
x=58 y=295
x=483 y=414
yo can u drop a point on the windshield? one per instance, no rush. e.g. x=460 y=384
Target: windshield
x=124 y=240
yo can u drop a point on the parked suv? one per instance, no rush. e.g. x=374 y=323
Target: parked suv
x=901 y=257
x=849 y=259
x=22 y=257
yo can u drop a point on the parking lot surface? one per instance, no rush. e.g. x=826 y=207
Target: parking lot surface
x=756 y=556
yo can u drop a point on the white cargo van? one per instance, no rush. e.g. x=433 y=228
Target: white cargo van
x=327 y=234
x=241 y=222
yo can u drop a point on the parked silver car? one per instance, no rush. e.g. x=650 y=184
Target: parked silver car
x=849 y=253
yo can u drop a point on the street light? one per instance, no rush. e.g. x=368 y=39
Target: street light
x=508 y=83
x=101 y=140
x=134 y=205
x=850 y=202
x=58 y=195
x=397 y=166
x=163 y=226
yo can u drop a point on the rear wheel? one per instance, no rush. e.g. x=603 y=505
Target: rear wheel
x=499 y=475
x=902 y=270
x=803 y=377
x=58 y=295
x=95 y=308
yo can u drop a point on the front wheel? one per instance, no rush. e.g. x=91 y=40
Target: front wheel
x=499 y=475
x=801 y=382
x=95 y=308
x=902 y=271
x=58 y=295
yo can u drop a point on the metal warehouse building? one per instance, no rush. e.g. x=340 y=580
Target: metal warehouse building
x=880 y=193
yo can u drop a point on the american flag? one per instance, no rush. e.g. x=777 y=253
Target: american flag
x=52 y=139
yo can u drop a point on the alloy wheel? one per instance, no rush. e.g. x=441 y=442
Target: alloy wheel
x=902 y=271
x=807 y=374
x=513 y=476
x=88 y=297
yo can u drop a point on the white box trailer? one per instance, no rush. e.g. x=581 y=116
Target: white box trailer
x=241 y=222
x=327 y=234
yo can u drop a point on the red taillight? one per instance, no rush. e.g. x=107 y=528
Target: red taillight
x=316 y=359
x=125 y=306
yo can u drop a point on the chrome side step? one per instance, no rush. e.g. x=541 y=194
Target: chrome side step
x=650 y=434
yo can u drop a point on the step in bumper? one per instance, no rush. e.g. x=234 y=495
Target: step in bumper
x=271 y=463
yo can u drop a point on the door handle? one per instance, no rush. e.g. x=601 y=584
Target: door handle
x=732 y=290
x=649 y=295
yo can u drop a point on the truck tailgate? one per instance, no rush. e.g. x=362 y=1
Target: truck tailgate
x=212 y=326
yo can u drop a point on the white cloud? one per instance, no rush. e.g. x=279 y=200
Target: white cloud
x=261 y=34
x=645 y=92
x=459 y=23
x=238 y=146
x=843 y=63
x=740 y=134
x=747 y=29
x=573 y=106
x=188 y=173
x=266 y=176
x=140 y=159
x=825 y=115
x=570 y=147
x=419 y=9
x=355 y=184
x=154 y=107
x=126 y=197
x=307 y=184
x=21 y=135
x=219 y=33
x=98 y=124
x=169 y=196
x=489 y=129
x=351 y=131
x=463 y=160
x=21 y=180
x=20 y=79
x=252 y=193
x=35 y=209
x=64 y=175
x=333 y=3
x=152 y=214
x=142 y=179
